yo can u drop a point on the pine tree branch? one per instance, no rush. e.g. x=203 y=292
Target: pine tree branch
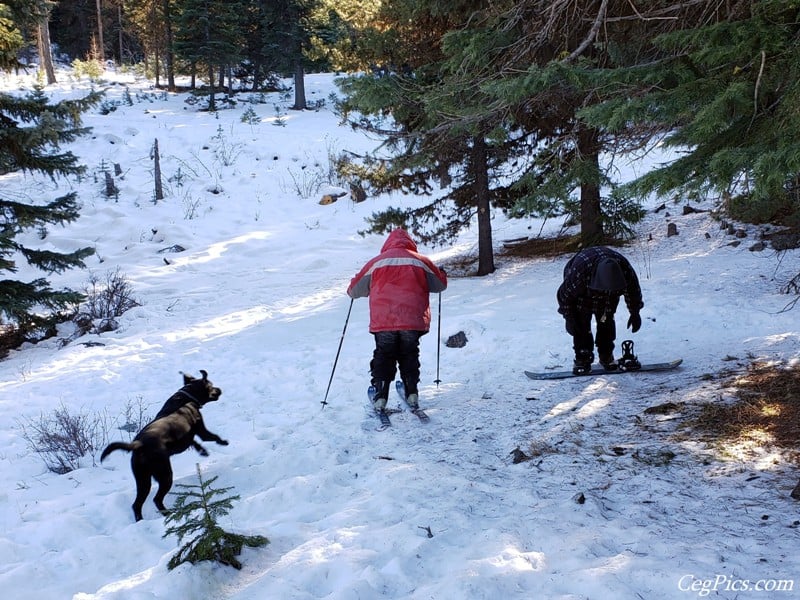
x=590 y=37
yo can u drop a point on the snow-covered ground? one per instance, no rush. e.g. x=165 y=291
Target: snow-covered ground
x=436 y=511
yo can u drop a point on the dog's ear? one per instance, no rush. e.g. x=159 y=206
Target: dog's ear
x=204 y=374
x=187 y=379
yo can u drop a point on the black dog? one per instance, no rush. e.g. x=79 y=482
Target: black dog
x=171 y=432
x=200 y=390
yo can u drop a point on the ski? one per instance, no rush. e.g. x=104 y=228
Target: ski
x=384 y=418
x=421 y=415
x=401 y=391
x=383 y=415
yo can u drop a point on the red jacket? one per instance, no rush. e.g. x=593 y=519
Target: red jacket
x=398 y=282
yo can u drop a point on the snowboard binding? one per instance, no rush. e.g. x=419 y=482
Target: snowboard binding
x=628 y=360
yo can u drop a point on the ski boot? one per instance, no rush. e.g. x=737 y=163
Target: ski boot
x=607 y=361
x=583 y=362
x=379 y=394
x=628 y=360
x=410 y=398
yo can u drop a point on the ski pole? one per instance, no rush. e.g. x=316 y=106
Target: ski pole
x=335 y=360
x=438 y=341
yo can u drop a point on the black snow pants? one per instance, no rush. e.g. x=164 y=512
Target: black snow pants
x=395 y=349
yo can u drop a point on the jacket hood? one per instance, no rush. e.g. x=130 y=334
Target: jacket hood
x=399 y=238
x=608 y=277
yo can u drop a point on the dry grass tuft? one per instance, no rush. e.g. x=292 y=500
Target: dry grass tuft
x=765 y=415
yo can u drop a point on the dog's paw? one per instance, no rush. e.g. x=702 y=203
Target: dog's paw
x=202 y=452
x=223 y=442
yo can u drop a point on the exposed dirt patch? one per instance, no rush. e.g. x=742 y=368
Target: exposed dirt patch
x=765 y=415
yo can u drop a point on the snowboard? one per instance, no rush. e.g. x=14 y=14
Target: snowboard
x=599 y=370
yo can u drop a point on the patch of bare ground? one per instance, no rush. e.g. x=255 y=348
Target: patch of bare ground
x=764 y=416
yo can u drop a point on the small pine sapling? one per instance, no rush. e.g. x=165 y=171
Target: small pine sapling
x=250 y=117
x=195 y=516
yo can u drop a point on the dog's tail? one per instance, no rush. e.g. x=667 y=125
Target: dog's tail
x=135 y=445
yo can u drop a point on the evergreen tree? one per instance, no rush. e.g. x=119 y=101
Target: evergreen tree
x=72 y=27
x=725 y=94
x=528 y=60
x=11 y=38
x=288 y=35
x=31 y=130
x=145 y=35
x=262 y=58
x=536 y=65
x=25 y=22
x=430 y=136
x=283 y=38
x=347 y=24
x=209 y=34
x=491 y=100
x=195 y=515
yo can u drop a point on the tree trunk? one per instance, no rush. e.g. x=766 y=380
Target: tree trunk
x=156 y=49
x=101 y=50
x=121 y=36
x=212 y=102
x=480 y=172
x=159 y=190
x=169 y=55
x=591 y=214
x=299 y=86
x=45 y=51
x=256 y=76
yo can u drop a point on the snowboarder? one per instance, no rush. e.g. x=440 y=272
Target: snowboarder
x=398 y=282
x=594 y=280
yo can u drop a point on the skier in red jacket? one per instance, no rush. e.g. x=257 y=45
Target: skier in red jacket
x=398 y=282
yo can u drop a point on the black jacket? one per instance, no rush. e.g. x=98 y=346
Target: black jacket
x=574 y=295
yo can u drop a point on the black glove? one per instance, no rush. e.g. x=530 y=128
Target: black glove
x=634 y=322
x=569 y=324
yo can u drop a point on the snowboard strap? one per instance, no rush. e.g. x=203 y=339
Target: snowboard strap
x=628 y=360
